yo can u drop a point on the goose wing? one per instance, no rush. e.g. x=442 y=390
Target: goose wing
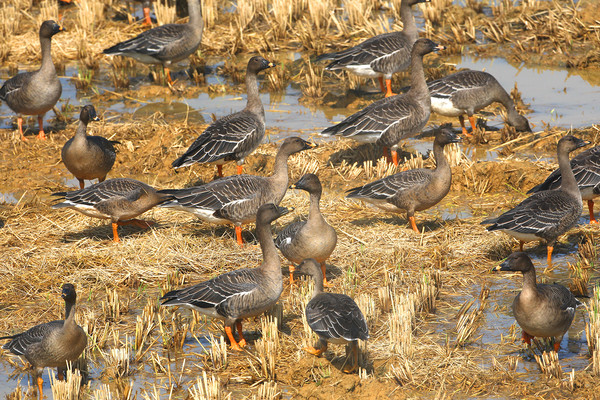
x=560 y=297
x=464 y=80
x=215 y=292
x=287 y=234
x=335 y=315
x=151 y=42
x=538 y=213
x=14 y=85
x=370 y=51
x=21 y=342
x=112 y=189
x=376 y=119
x=227 y=138
x=387 y=187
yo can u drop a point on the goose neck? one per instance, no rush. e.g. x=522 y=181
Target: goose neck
x=408 y=21
x=568 y=179
x=269 y=251
x=253 y=104
x=195 y=11
x=418 y=85
x=47 y=64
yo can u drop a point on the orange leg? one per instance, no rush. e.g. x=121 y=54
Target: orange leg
x=556 y=346
x=234 y=345
x=591 y=208
x=168 y=75
x=325 y=283
x=115 y=234
x=61 y=377
x=354 y=354
x=394 y=157
x=41 y=134
x=464 y=128
x=550 y=249
x=292 y=269
x=219 y=170
x=238 y=235
x=20 y=124
x=526 y=338
x=521 y=243
x=316 y=352
x=388 y=93
x=472 y=121
x=381 y=84
x=40 y=383
x=242 y=341
x=240 y=169
x=147 y=20
x=413 y=223
x=81 y=183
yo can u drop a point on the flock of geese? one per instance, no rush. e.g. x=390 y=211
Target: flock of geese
x=553 y=208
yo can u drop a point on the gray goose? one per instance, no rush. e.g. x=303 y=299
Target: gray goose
x=118 y=199
x=382 y=55
x=547 y=214
x=415 y=189
x=467 y=92
x=165 y=44
x=391 y=119
x=35 y=93
x=235 y=136
x=242 y=293
x=236 y=199
x=541 y=310
x=51 y=344
x=334 y=317
x=313 y=238
x=85 y=156
x=586 y=168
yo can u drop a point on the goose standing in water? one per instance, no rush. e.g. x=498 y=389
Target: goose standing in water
x=313 y=238
x=51 y=344
x=412 y=190
x=586 y=169
x=389 y=120
x=547 y=214
x=85 y=156
x=236 y=199
x=380 y=56
x=334 y=317
x=164 y=44
x=35 y=93
x=241 y=293
x=467 y=92
x=235 y=136
x=118 y=199
x=541 y=310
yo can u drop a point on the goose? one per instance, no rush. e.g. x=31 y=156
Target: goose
x=118 y=199
x=547 y=214
x=241 y=293
x=466 y=92
x=51 y=344
x=35 y=93
x=380 y=56
x=412 y=190
x=164 y=44
x=236 y=199
x=334 y=317
x=313 y=238
x=540 y=310
x=391 y=119
x=235 y=136
x=85 y=156
x=586 y=169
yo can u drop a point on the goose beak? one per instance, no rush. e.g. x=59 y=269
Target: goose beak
x=439 y=47
x=271 y=64
x=502 y=267
x=293 y=186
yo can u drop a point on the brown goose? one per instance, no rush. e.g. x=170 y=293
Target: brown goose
x=547 y=214
x=313 y=238
x=586 y=168
x=35 y=93
x=236 y=199
x=389 y=120
x=51 y=344
x=467 y=92
x=335 y=317
x=118 y=199
x=165 y=44
x=541 y=310
x=242 y=293
x=415 y=189
x=235 y=136
x=85 y=156
x=380 y=56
